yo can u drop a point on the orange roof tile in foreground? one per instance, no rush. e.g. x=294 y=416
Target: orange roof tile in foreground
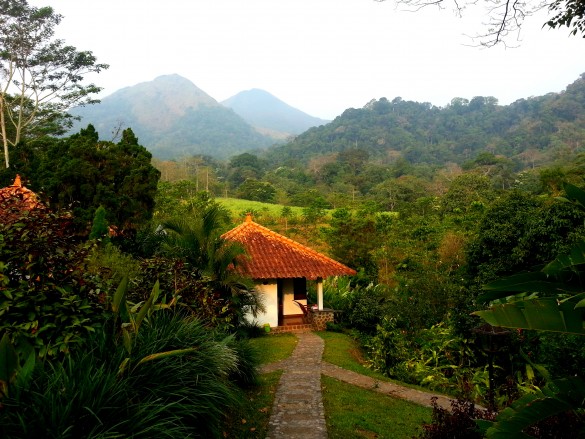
x=29 y=199
x=274 y=256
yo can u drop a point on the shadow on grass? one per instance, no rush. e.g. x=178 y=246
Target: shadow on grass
x=352 y=412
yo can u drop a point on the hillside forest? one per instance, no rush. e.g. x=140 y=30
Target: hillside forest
x=121 y=314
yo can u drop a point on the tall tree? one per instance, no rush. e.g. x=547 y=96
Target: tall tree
x=80 y=173
x=40 y=76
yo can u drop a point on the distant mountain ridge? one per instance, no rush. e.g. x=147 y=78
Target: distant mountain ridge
x=266 y=112
x=172 y=118
x=398 y=133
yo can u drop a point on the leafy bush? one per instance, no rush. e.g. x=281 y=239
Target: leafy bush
x=45 y=298
x=333 y=327
x=563 y=354
x=435 y=357
x=163 y=396
x=457 y=423
x=361 y=307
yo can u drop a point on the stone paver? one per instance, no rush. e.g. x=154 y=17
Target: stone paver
x=297 y=412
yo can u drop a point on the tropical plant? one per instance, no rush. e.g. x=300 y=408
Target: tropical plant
x=204 y=268
x=551 y=299
x=46 y=301
x=160 y=396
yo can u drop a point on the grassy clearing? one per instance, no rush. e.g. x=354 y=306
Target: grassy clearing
x=272 y=348
x=352 y=412
x=344 y=351
x=239 y=207
x=251 y=420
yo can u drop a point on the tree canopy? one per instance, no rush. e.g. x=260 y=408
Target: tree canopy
x=40 y=76
x=81 y=173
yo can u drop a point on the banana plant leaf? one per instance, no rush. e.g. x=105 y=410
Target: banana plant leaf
x=556 y=397
x=544 y=314
x=574 y=194
x=532 y=282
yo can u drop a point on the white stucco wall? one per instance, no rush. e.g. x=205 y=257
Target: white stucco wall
x=270 y=298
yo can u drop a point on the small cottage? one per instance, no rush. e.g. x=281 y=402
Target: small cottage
x=280 y=268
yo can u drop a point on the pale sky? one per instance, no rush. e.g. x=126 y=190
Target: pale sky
x=320 y=56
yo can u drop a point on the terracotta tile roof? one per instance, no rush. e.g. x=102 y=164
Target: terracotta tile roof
x=27 y=198
x=275 y=256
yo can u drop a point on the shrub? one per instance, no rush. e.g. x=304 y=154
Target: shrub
x=45 y=298
x=157 y=395
x=457 y=423
x=333 y=327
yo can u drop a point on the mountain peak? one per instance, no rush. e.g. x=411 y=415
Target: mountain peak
x=265 y=111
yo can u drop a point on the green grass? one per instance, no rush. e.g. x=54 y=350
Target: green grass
x=240 y=207
x=343 y=351
x=251 y=420
x=273 y=348
x=352 y=412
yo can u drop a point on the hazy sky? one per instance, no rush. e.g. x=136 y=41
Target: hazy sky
x=320 y=56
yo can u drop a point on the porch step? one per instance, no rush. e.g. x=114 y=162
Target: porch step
x=291 y=328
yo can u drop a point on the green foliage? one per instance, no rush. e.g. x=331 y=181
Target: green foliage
x=465 y=190
x=352 y=239
x=519 y=232
x=99 y=228
x=568 y=13
x=256 y=191
x=457 y=423
x=421 y=133
x=563 y=354
x=45 y=299
x=174 y=396
x=555 y=305
x=436 y=357
x=193 y=261
x=527 y=414
x=360 y=307
x=81 y=172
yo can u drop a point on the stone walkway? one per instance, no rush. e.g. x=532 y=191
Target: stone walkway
x=297 y=412
x=385 y=387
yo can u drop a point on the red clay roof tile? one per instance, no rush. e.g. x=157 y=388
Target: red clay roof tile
x=28 y=198
x=273 y=256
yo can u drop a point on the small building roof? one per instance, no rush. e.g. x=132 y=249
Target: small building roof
x=28 y=199
x=273 y=256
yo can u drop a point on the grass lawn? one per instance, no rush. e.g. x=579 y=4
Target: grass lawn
x=239 y=207
x=344 y=351
x=272 y=348
x=352 y=412
x=251 y=420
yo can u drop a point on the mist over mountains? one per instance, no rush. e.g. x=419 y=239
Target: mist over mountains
x=172 y=118
x=269 y=114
